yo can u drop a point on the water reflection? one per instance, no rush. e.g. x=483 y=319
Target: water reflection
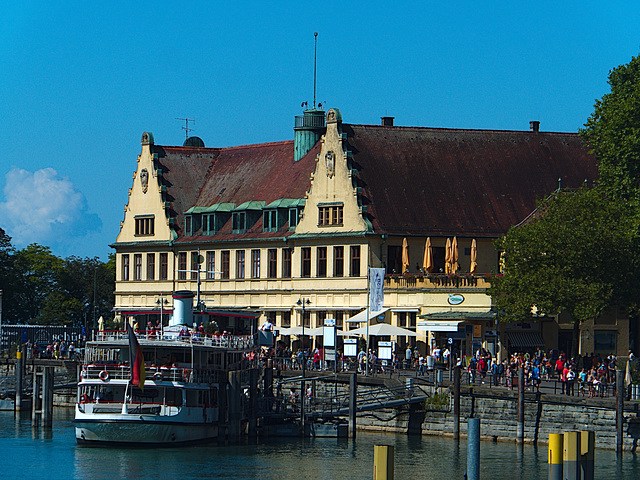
x=416 y=457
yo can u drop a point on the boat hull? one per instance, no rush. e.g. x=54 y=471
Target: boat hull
x=141 y=432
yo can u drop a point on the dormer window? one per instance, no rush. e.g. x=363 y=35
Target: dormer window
x=270 y=221
x=144 y=225
x=239 y=222
x=192 y=224
x=294 y=216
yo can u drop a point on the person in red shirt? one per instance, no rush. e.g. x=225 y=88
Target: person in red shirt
x=559 y=367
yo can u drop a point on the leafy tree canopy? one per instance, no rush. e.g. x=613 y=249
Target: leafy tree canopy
x=578 y=256
x=613 y=131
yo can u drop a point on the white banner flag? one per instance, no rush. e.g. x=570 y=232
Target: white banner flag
x=376 y=289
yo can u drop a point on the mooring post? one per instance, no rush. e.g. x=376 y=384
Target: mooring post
x=253 y=406
x=18 y=368
x=353 y=392
x=383 y=462
x=36 y=399
x=571 y=456
x=587 y=454
x=473 y=449
x=619 y=411
x=520 y=425
x=456 y=403
x=555 y=456
x=47 y=397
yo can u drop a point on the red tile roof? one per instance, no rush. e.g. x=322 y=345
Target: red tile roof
x=415 y=181
x=420 y=181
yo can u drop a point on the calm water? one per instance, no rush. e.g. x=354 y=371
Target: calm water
x=25 y=453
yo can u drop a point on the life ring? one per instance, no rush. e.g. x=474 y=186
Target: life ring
x=157 y=377
x=104 y=375
x=83 y=373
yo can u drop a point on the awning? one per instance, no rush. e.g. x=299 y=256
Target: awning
x=460 y=315
x=438 y=325
x=525 y=340
x=362 y=316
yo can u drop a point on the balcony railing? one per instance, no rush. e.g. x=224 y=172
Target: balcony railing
x=437 y=281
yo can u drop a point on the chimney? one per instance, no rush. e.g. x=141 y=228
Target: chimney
x=534 y=126
x=387 y=121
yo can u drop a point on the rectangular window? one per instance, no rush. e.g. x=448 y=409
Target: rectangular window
x=226 y=264
x=164 y=266
x=402 y=319
x=293 y=218
x=240 y=264
x=125 y=267
x=330 y=215
x=211 y=265
x=355 y=261
x=182 y=266
x=339 y=316
x=255 y=263
x=137 y=272
x=338 y=261
x=151 y=266
x=320 y=318
x=286 y=319
x=238 y=222
x=144 y=226
x=321 y=252
x=270 y=221
x=187 y=225
x=194 y=265
x=306 y=262
x=286 y=263
x=273 y=262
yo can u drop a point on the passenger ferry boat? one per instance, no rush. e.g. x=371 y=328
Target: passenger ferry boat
x=180 y=396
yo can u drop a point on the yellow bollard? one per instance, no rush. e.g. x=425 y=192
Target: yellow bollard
x=587 y=454
x=571 y=456
x=383 y=462
x=555 y=456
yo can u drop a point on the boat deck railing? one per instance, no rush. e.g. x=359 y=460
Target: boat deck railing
x=109 y=371
x=238 y=342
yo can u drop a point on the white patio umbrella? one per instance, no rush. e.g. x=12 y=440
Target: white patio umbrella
x=380 y=329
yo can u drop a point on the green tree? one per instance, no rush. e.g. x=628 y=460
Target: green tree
x=577 y=255
x=39 y=272
x=613 y=131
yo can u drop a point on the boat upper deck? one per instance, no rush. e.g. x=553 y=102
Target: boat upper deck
x=156 y=339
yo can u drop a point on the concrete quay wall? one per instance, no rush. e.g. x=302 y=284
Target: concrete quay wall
x=498 y=419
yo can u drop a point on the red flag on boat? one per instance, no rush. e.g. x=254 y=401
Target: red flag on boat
x=136 y=360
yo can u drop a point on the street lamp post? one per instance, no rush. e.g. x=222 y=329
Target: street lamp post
x=303 y=302
x=162 y=302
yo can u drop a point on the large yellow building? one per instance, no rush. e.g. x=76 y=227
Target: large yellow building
x=251 y=230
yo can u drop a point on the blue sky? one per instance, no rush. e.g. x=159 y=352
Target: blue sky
x=81 y=81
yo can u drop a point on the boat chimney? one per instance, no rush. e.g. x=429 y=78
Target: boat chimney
x=182 y=308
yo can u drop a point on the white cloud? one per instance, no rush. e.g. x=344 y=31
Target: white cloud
x=43 y=207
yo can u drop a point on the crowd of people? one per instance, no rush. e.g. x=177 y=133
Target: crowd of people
x=57 y=349
x=588 y=375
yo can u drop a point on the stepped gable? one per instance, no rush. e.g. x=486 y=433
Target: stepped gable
x=461 y=182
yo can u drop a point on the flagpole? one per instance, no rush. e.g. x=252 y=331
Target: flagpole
x=368 y=305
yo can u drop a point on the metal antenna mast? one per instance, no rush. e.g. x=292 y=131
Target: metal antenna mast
x=186 y=127
x=315 y=61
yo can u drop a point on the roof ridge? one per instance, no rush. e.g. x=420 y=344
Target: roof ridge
x=235 y=147
x=448 y=129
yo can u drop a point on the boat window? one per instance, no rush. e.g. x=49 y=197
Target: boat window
x=174 y=397
x=192 y=398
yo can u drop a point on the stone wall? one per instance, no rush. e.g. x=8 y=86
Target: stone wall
x=498 y=413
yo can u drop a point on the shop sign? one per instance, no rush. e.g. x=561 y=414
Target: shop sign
x=455 y=299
